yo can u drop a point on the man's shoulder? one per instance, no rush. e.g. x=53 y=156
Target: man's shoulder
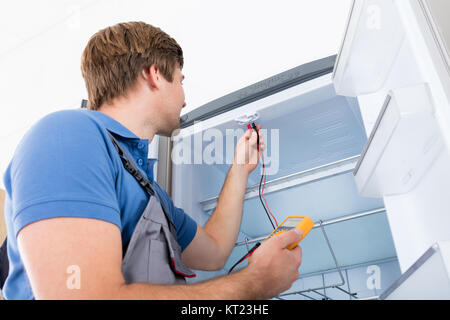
x=65 y=131
x=62 y=167
x=68 y=119
x=68 y=126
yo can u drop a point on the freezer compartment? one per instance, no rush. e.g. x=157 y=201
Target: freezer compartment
x=404 y=143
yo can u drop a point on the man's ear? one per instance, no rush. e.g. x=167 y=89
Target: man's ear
x=152 y=76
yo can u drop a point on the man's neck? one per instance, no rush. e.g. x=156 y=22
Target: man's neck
x=129 y=117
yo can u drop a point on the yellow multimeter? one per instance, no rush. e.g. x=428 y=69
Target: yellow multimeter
x=303 y=223
x=300 y=222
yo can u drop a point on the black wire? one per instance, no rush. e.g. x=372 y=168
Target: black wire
x=262 y=202
x=245 y=256
x=262 y=177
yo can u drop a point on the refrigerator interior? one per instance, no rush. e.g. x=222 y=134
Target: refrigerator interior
x=318 y=137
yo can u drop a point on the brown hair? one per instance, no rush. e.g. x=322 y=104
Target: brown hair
x=115 y=56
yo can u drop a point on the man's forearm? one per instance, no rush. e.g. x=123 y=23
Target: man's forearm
x=239 y=285
x=225 y=222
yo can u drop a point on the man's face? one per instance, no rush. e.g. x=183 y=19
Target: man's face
x=172 y=103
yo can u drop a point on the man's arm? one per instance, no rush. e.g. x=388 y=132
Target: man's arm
x=212 y=245
x=61 y=253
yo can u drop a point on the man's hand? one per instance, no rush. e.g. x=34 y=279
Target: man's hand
x=276 y=266
x=246 y=155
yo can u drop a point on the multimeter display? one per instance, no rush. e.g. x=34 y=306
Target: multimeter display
x=299 y=222
x=290 y=223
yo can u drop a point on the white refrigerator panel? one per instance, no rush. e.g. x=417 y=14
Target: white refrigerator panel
x=406 y=158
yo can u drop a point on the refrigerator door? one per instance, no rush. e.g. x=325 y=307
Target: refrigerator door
x=405 y=107
x=314 y=139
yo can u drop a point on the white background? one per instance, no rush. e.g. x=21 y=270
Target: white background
x=227 y=45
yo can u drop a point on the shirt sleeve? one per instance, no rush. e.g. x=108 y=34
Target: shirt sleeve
x=61 y=168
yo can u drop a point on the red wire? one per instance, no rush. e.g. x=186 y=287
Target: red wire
x=262 y=191
x=248 y=255
x=264 y=172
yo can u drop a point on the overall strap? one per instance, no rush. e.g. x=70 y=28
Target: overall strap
x=4 y=263
x=129 y=165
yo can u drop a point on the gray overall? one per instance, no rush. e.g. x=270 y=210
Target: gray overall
x=153 y=254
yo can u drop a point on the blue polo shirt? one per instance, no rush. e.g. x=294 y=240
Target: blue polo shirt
x=67 y=166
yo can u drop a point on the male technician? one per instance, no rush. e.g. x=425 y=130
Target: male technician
x=72 y=208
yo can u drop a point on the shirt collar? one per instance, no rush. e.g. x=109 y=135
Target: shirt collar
x=113 y=125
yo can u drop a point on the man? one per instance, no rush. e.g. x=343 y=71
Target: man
x=76 y=216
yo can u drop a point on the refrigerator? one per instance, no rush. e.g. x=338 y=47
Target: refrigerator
x=359 y=142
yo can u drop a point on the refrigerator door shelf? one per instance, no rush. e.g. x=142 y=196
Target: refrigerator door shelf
x=372 y=41
x=427 y=278
x=404 y=143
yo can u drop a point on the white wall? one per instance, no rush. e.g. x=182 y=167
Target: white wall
x=227 y=45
